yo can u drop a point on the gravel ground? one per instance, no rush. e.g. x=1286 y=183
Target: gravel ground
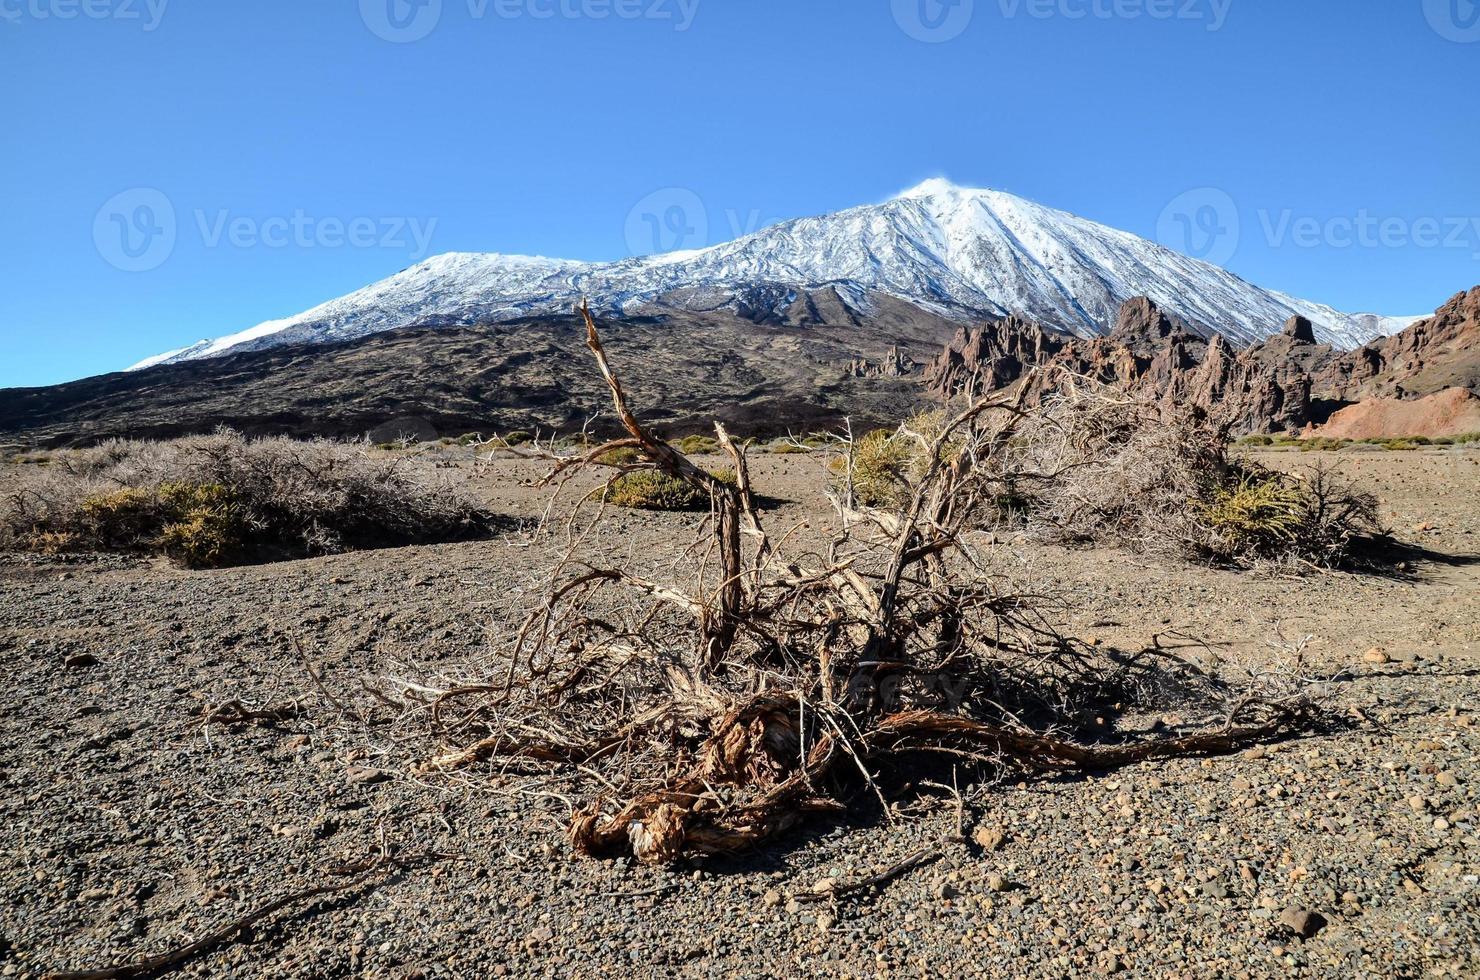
x=128 y=826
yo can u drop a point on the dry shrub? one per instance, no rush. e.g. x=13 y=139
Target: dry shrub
x=778 y=680
x=223 y=499
x=1158 y=478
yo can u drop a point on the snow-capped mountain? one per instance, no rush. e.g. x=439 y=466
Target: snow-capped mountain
x=954 y=252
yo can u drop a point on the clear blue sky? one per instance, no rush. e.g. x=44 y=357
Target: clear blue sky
x=519 y=132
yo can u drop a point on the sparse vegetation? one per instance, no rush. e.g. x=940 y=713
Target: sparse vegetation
x=208 y=501
x=655 y=490
x=698 y=445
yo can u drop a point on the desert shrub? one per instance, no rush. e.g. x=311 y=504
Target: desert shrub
x=787 y=448
x=1158 y=479
x=518 y=438
x=1466 y=438
x=1444 y=440
x=224 y=499
x=1323 y=444
x=884 y=467
x=1256 y=440
x=625 y=456
x=698 y=445
x=1399 y=445
x=656 y=490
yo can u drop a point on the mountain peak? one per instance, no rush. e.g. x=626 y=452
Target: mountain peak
x=951 y=251
x=934 y=187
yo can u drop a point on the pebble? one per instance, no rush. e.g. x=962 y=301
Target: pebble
x=365 y=777
x=990 y=839
x=1303 y=922
x=996 y=883
x=1377 y=655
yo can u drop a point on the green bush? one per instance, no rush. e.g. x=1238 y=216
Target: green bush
x=1399 y=445
x=787 y=448
x=1256 y=440
x=1257 y=515
x=698 y=445
x=625 y=456
x=656 y=490
x=518 y=438
x=886 y=464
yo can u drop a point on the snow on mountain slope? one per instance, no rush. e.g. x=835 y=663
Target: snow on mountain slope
x=962 y=253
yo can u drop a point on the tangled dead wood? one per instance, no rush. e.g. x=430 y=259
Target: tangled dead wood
x=786 y=682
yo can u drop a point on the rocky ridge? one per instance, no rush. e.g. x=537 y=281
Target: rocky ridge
x=1286 y=383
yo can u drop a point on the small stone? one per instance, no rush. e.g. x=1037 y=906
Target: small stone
x=1377 y=655
x=825 y=887
x=771 y=899
x=80 y=660
x=1107 y=964
x=94 y=895
x=825 y=921
x=989 y=839
x=945 y=890
x=1157 y=886
x=539 y=936
x=365 y=777
x=1215 y=889
x=1447 y=779
x=996 y=883
x=1302 y=922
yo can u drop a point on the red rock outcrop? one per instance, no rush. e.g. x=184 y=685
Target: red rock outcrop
x=1284 y=384
x=1430 y=356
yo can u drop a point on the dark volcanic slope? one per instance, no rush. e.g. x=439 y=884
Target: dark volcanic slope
x=683 y=372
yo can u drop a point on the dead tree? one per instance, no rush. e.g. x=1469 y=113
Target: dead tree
x=719 y=718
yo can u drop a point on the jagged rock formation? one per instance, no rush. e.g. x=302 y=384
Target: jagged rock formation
x=1430 y=356
x=1284 y=384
